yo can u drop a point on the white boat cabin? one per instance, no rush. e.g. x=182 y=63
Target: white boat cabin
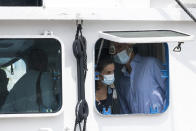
x=39 y=72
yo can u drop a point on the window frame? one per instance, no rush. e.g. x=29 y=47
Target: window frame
x=44 y=36
x=151 y=39
x=134 y=114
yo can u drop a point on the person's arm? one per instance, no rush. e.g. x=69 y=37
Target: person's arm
x=158 y=75
x=122 y=90
x=8 y=106
x=160 y=92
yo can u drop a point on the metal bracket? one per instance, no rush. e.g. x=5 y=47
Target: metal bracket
x=47 y=32
x=178 y=48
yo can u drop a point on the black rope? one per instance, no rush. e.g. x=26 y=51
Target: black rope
x=186 y=10
x=79 y=50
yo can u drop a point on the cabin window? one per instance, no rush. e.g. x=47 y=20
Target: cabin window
x=20 y=2
x=131 y=78
x=31 y=76
x=132 y=70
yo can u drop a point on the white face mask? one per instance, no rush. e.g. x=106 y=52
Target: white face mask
x=108 y=79
x=122 y=57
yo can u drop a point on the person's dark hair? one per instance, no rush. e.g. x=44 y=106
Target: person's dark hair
x=37 y=60
x=103 y=62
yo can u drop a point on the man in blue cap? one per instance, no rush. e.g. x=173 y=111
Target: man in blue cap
x=141 y=88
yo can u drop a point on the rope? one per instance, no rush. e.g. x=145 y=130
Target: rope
x=79 y=50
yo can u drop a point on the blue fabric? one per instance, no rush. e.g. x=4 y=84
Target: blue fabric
x=143 y=90
x=107 y=112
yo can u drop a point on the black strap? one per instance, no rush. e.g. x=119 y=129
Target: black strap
x=79 y=50
x=39 y=92
x=12 y=69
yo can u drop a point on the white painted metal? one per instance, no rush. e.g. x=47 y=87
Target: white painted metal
x=171 y=3
x=159 y=10
x=45 y=129
x=58 y=16
x=180 y=115
x=97 y=13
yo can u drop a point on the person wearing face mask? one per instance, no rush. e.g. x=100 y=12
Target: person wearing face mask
x=141 y=88
x=105 y=89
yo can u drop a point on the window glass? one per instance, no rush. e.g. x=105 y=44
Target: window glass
x=131 y=79
x=20 y=2
x=30 y=73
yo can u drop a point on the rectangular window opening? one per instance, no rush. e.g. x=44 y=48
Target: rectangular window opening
x=22 y=3
x=131 y=78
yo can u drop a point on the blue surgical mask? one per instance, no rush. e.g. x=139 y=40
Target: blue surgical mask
x=123 y=57
x=108 y=79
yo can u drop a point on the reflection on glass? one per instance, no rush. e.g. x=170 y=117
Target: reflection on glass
x=33 y=74
x=19 y=69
